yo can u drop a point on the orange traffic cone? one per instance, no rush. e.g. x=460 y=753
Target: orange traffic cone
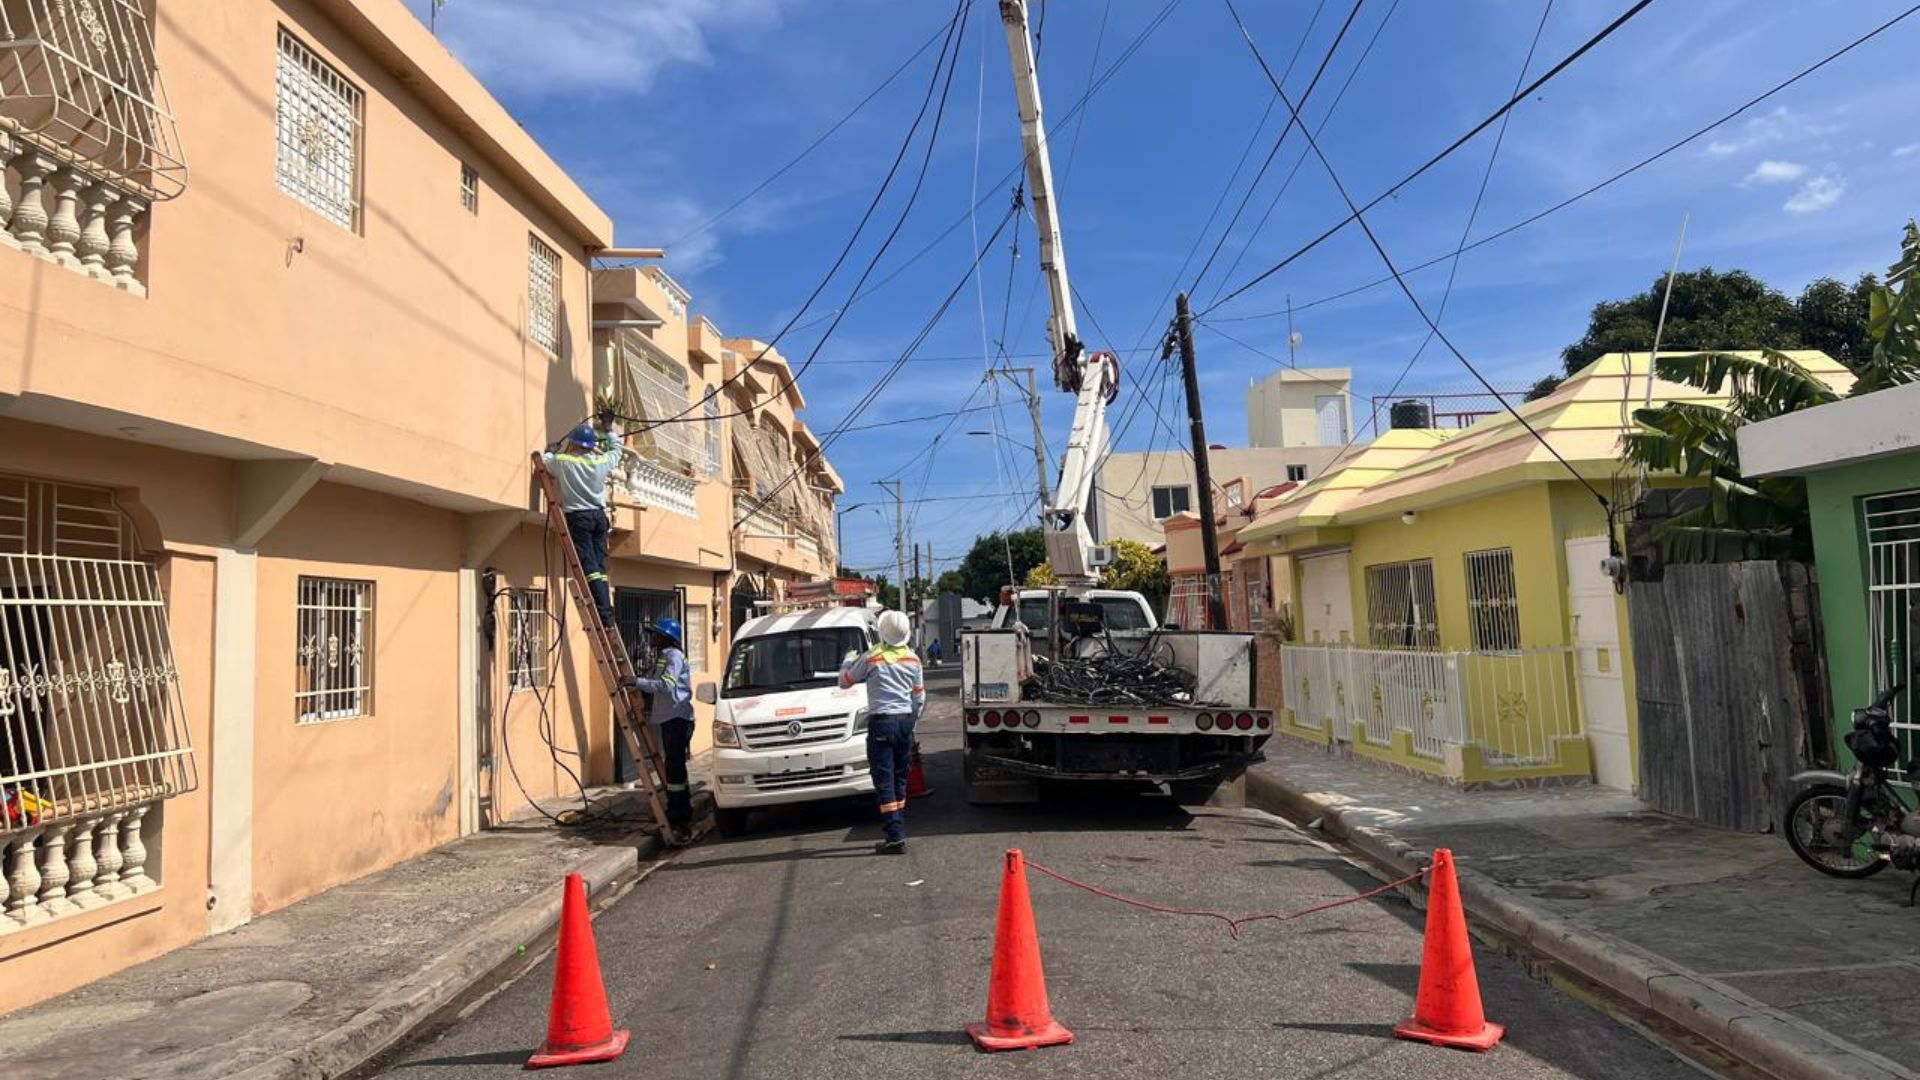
x=917 y=776
x=579 y=1028
x=1447 y=1010
x=1018 y=1017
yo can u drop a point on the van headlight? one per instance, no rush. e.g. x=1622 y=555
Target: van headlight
x=860 y=721
x=725 y=734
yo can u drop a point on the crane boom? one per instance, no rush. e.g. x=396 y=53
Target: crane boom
x=1093 y=378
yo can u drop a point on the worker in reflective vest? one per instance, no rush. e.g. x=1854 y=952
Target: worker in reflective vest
x=896 y=694
x=580 y=466
x=670 y=684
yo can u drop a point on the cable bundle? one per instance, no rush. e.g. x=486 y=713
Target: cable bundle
x=1114 y=678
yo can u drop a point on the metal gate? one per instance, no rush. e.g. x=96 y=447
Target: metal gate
x=1892 y=524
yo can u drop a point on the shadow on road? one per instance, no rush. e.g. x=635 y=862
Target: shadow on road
x=917 y=1038
x=492 y=1057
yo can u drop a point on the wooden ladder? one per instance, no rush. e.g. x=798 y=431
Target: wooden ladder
x=616 y=667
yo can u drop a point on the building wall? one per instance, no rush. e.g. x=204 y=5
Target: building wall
x=1127 y=482
x=1283 y=410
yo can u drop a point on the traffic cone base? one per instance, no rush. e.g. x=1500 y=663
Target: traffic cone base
x=917 y=778
x=1049 y=1034
x=1446 y=1009
x=584 y=1055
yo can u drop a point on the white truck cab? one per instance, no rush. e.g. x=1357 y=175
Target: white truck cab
x=1120 y=611
x=784 y=731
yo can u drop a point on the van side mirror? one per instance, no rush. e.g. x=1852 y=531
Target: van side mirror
x=706 y=693
x=1169 y=626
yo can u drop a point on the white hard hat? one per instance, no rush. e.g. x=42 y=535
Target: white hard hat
x=894 y=627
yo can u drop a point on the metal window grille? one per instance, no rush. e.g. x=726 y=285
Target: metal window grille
x=526 y=638
x=713 y=437
x=91 y=714
x=47 y=518
x=1400 y=610
x=1892 y=524
x=1168 y=501
x=1493 y=603
x=80 y=76
x=1254 y=577
x=1187 y=601
x=695 y=628
x=636 y=609
x=652 y=386
x=318 y=118
x=543 y=294
x=334 y=649
x=470 y=188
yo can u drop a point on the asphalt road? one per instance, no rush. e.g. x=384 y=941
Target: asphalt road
x=796 y=953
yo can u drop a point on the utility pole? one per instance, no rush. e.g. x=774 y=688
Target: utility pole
x=899 y=543
x=1203 y=478
x=1039 y=447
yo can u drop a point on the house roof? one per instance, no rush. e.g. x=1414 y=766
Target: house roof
x=1849 y=432
x=1582 y=422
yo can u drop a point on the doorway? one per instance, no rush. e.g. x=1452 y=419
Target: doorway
x=1596 y=641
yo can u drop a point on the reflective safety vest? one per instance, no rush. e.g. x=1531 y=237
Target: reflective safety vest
x=895 y=684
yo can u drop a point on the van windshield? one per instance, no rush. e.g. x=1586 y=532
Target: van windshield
x=791 y=661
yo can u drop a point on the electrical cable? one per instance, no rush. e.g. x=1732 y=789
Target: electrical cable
x=1387 y=260
x=1566 y=62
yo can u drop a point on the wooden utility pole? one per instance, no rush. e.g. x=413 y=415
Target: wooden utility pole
x=899 y=544
x=1203 y=478
x=1039 y=445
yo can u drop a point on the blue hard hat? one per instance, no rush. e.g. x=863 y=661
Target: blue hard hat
x=669 y=628
x=584 y=435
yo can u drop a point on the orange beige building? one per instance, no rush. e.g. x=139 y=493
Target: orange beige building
x=276 y=606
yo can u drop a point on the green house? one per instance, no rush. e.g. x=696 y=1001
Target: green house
x=1861 y=461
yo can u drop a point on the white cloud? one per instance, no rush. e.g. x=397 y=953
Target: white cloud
x=1816 y=195
x=1775 y=172
x=1910 y=148
x=544 y=47
x=1780 y=125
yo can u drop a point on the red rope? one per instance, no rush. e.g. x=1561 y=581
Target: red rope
x=1233 y=924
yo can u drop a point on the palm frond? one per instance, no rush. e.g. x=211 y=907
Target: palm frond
x=1760 y=388
x=1683 y=437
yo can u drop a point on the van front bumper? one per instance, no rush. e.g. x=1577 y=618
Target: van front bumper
x=747 y=778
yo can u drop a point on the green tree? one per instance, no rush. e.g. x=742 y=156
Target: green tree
x=1764 y=518
x=950 y=582
x=1833 y=318
x=985 y=569
x=1135 y=568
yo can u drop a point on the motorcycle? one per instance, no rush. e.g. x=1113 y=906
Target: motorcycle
x=1854 y=825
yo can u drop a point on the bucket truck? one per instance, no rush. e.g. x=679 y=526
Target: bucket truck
x=1077 y=682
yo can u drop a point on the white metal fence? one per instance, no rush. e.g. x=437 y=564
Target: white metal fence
x=1893 y=585
x=1513 y=704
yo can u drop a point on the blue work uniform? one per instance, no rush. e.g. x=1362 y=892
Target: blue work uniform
x=581 y=477
x=896 y=694
x=670 y=685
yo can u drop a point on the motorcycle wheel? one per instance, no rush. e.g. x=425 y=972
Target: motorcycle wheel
x=1810 y=816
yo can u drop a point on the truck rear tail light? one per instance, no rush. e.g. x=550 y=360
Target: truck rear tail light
x=1264 y=721
x=1204 y=722
x=1031 y=718
x=993 y=719
x=973 y=718
x=1244 y=722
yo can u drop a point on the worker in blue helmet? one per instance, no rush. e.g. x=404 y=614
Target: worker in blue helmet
x=581 y=464
x=669 y=681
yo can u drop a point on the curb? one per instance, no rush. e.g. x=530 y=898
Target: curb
x=396 y=1012
x=1752 y=1032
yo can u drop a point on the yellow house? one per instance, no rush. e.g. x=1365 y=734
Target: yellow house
x=1455 y=610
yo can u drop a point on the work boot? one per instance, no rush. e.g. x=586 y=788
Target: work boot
x=890 y=847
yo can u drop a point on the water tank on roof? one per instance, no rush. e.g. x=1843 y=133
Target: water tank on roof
x=1409 y=413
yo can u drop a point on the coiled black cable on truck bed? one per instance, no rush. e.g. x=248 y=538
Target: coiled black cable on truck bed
x=1115 y=677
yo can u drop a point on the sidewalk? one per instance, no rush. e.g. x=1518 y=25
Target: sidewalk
x=1726 y=934
x=319 y=988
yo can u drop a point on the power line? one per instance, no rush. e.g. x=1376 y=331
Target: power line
x=1386 y=259
x=1609 y=181
x=1566 y=62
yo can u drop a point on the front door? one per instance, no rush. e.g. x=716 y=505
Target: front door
x=1326 y=599
x=1596 y=640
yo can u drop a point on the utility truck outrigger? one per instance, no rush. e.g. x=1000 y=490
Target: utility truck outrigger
x=1077 y=682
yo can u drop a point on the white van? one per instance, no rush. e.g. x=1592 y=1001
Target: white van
x=783 y=729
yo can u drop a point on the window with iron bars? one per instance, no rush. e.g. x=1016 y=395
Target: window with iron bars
x=713 y=437
x=334 y=650
x=1400 y=611
x=526 y=638
x=317 y=117
x=653 y=387
x=543 y=294
x=1254 y=577
x=470 y=188
x=696 y=632
x=1493 y=603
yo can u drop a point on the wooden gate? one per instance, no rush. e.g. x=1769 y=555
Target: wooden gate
x=1719 y=654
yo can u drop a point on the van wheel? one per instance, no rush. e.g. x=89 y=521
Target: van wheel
x=731 y=821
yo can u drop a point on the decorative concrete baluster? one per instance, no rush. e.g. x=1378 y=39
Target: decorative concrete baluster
x=97 y=202
x=123 y=256
x=9 y=148
x=29 y=221
x=107 y=852
x=23 y=881
x=63 y=228
x=133 y=847
x=54 y=873
x=83 y=866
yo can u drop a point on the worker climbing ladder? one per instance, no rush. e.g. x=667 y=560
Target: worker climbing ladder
x=610 y=655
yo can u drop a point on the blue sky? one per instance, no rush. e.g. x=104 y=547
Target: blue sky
x=667 y=110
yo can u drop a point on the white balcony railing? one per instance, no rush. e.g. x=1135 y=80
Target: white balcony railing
x=78 y=865
x=642 y=483
x=1514 y=705
x=70 y=214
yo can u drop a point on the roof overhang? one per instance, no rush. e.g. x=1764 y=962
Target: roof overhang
x=1851 y=431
